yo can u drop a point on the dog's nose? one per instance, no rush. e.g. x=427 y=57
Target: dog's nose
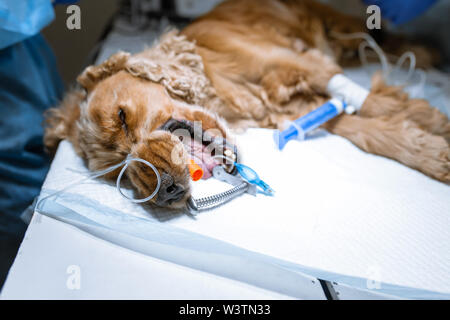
x=171 y=193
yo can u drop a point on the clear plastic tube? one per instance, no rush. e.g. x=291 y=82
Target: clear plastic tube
x=388 y=71
x=125 y=163
x=369 y=42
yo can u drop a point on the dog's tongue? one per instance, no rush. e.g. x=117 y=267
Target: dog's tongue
x=202 y=157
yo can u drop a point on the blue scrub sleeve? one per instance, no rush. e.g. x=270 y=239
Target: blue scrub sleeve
x=29 y=84
x=401 y=11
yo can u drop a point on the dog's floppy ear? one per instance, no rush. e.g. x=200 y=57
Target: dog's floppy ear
x=93 y=74
x=60 y=122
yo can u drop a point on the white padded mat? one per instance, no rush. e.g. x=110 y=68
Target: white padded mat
x=336 y=209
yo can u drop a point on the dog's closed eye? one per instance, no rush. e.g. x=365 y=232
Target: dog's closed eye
x=123 y=120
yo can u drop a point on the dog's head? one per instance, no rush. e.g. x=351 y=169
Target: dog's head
x=127 y=107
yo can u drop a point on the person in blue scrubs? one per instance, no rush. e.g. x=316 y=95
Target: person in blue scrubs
x=29 y=84
x=401 y=11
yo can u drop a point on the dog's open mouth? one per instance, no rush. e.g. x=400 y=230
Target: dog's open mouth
x=206 y=151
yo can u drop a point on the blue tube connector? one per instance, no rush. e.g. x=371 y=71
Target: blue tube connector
x=300 y=127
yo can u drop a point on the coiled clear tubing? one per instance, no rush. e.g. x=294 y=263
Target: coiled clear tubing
x=214 y=201
x=125 y=163
x=389 y=72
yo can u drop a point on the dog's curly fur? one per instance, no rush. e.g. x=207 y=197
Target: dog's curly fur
x=253 y=63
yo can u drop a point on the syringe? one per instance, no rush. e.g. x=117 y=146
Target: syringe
x=301 y=126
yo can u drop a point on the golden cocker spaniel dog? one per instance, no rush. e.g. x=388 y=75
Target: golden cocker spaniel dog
x=245 y=64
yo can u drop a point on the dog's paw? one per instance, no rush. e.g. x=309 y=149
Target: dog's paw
x=433 y=158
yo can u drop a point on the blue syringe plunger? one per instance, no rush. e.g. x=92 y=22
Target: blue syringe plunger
x=301 y=126
x=282 y=137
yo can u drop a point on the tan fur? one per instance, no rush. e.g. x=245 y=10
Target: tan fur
x=253 y=63
x=150 y=91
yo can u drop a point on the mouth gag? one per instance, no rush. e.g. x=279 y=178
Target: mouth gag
x=245 y=180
